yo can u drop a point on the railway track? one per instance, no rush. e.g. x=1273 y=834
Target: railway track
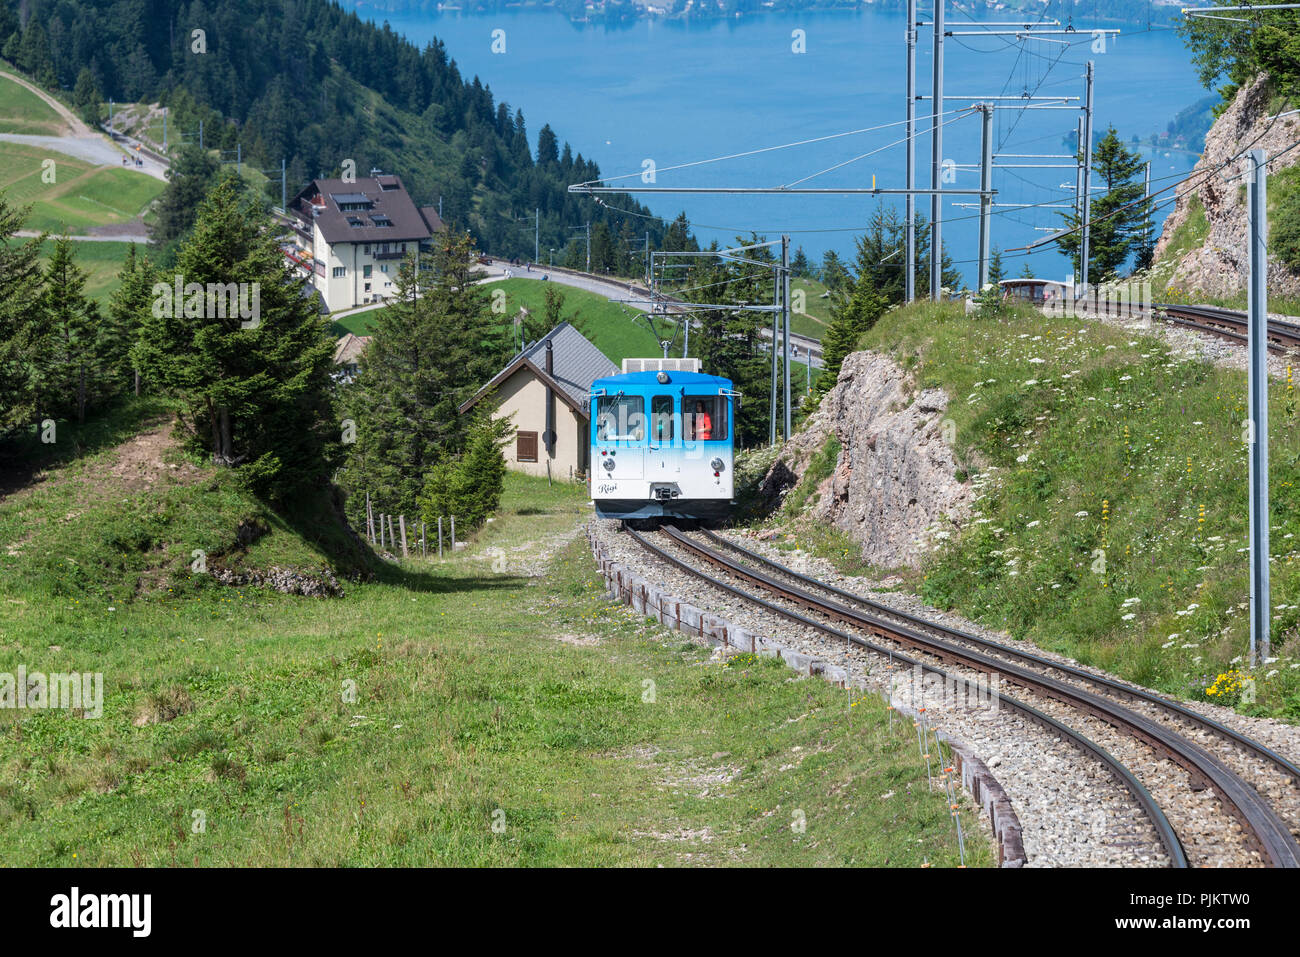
x=1229 y=324
x=1161 y=725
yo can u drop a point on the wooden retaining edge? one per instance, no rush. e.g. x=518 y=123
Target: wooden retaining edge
x=652 y=601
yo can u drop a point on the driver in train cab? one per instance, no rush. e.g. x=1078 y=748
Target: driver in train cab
x=703 y=423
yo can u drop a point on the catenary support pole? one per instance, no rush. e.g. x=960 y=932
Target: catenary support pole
x=785 y=330
x=986 y=184
x=909 y=281
x=1086 y=203
x=1257 y=406
x=936 y=157
x=776 y=326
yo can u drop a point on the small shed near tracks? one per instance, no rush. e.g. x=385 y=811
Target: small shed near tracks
x=543 y=391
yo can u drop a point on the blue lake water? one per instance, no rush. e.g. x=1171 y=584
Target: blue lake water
x=675 y=93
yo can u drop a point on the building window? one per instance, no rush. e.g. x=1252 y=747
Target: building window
x=366 y=249
x=383 y=268
x=526 y=447
x=367 y=287
x=365 y=271
x=340 y=272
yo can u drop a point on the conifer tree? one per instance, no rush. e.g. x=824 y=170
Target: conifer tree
x=1117 y=217
x=243 y=351
x=20 y=277
x=71 y=350
x=127 y=309
x=430 y=350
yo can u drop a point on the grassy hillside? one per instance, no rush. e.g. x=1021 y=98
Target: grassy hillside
x=397 y=724
x=616 y=330
x=81 y=196
x=22 y=111
x=1097 y=440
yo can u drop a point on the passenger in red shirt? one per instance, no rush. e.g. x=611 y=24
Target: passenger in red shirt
x=703 y=423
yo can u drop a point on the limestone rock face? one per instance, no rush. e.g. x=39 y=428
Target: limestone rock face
x=894 y=487
x=1220 y=266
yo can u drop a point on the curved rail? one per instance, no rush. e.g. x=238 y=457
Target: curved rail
x=1256 y=748
x=1229 y=324
x=1165 y=832
x=1261 y=823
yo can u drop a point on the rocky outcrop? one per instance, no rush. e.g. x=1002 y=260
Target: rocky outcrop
x=1218 y=267
x=290 y=581
x=894 y=487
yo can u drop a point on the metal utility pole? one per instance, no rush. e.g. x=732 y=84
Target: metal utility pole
x=909 y=281
x=589 y=247
x=936 y=157
x=200 y=134
x=1146 y=194
x=537 y=235
x=239 y=158
x=1078 y=183
x=785 y=333
x=1086 y=202
x=284 y=199
x=647 y=263
x=1257 y=402
x=986 y=184
x=164 y=131
x=776 y=324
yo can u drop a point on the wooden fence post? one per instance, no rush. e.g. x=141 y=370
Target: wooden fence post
x=381 y=529
x=453 y=534
x=401 y=521
x=424 y=545
x=392 y=539
x=440 y=536
x=370 y=520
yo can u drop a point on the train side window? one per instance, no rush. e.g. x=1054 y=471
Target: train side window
x=661 y=418
x=620 y=418
x=704 y=418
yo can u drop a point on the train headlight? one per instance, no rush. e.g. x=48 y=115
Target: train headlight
x=717 y=465
x=662 y=378
x=608 y=464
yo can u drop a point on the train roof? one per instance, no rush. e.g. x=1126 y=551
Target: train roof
x=649 y=380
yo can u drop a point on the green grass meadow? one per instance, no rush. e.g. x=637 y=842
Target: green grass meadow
x=22 y=111
x=81 y=196
x=441 y=712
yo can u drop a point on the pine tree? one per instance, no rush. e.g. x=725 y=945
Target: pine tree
x=469 y=486
x=430 y=350
x=71 y=351
x=20 y=280
x=252 y=384
x=190 y=175
x=1117 y=217
x=86 y=96
x=997 y=272
x=799 y=266
x=127 y=311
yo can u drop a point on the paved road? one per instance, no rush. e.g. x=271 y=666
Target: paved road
x=79 y=141
x=105 y=238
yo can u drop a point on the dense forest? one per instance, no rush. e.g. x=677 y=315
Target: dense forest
x=309 y=82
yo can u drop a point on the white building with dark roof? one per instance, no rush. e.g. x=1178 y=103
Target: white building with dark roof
x=356 y=234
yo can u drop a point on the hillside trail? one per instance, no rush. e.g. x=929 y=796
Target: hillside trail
x=75 y=126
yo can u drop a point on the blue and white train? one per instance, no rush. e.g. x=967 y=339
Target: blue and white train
x=662 y=440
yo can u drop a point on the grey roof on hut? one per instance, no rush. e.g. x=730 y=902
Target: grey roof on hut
x=578 y=363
